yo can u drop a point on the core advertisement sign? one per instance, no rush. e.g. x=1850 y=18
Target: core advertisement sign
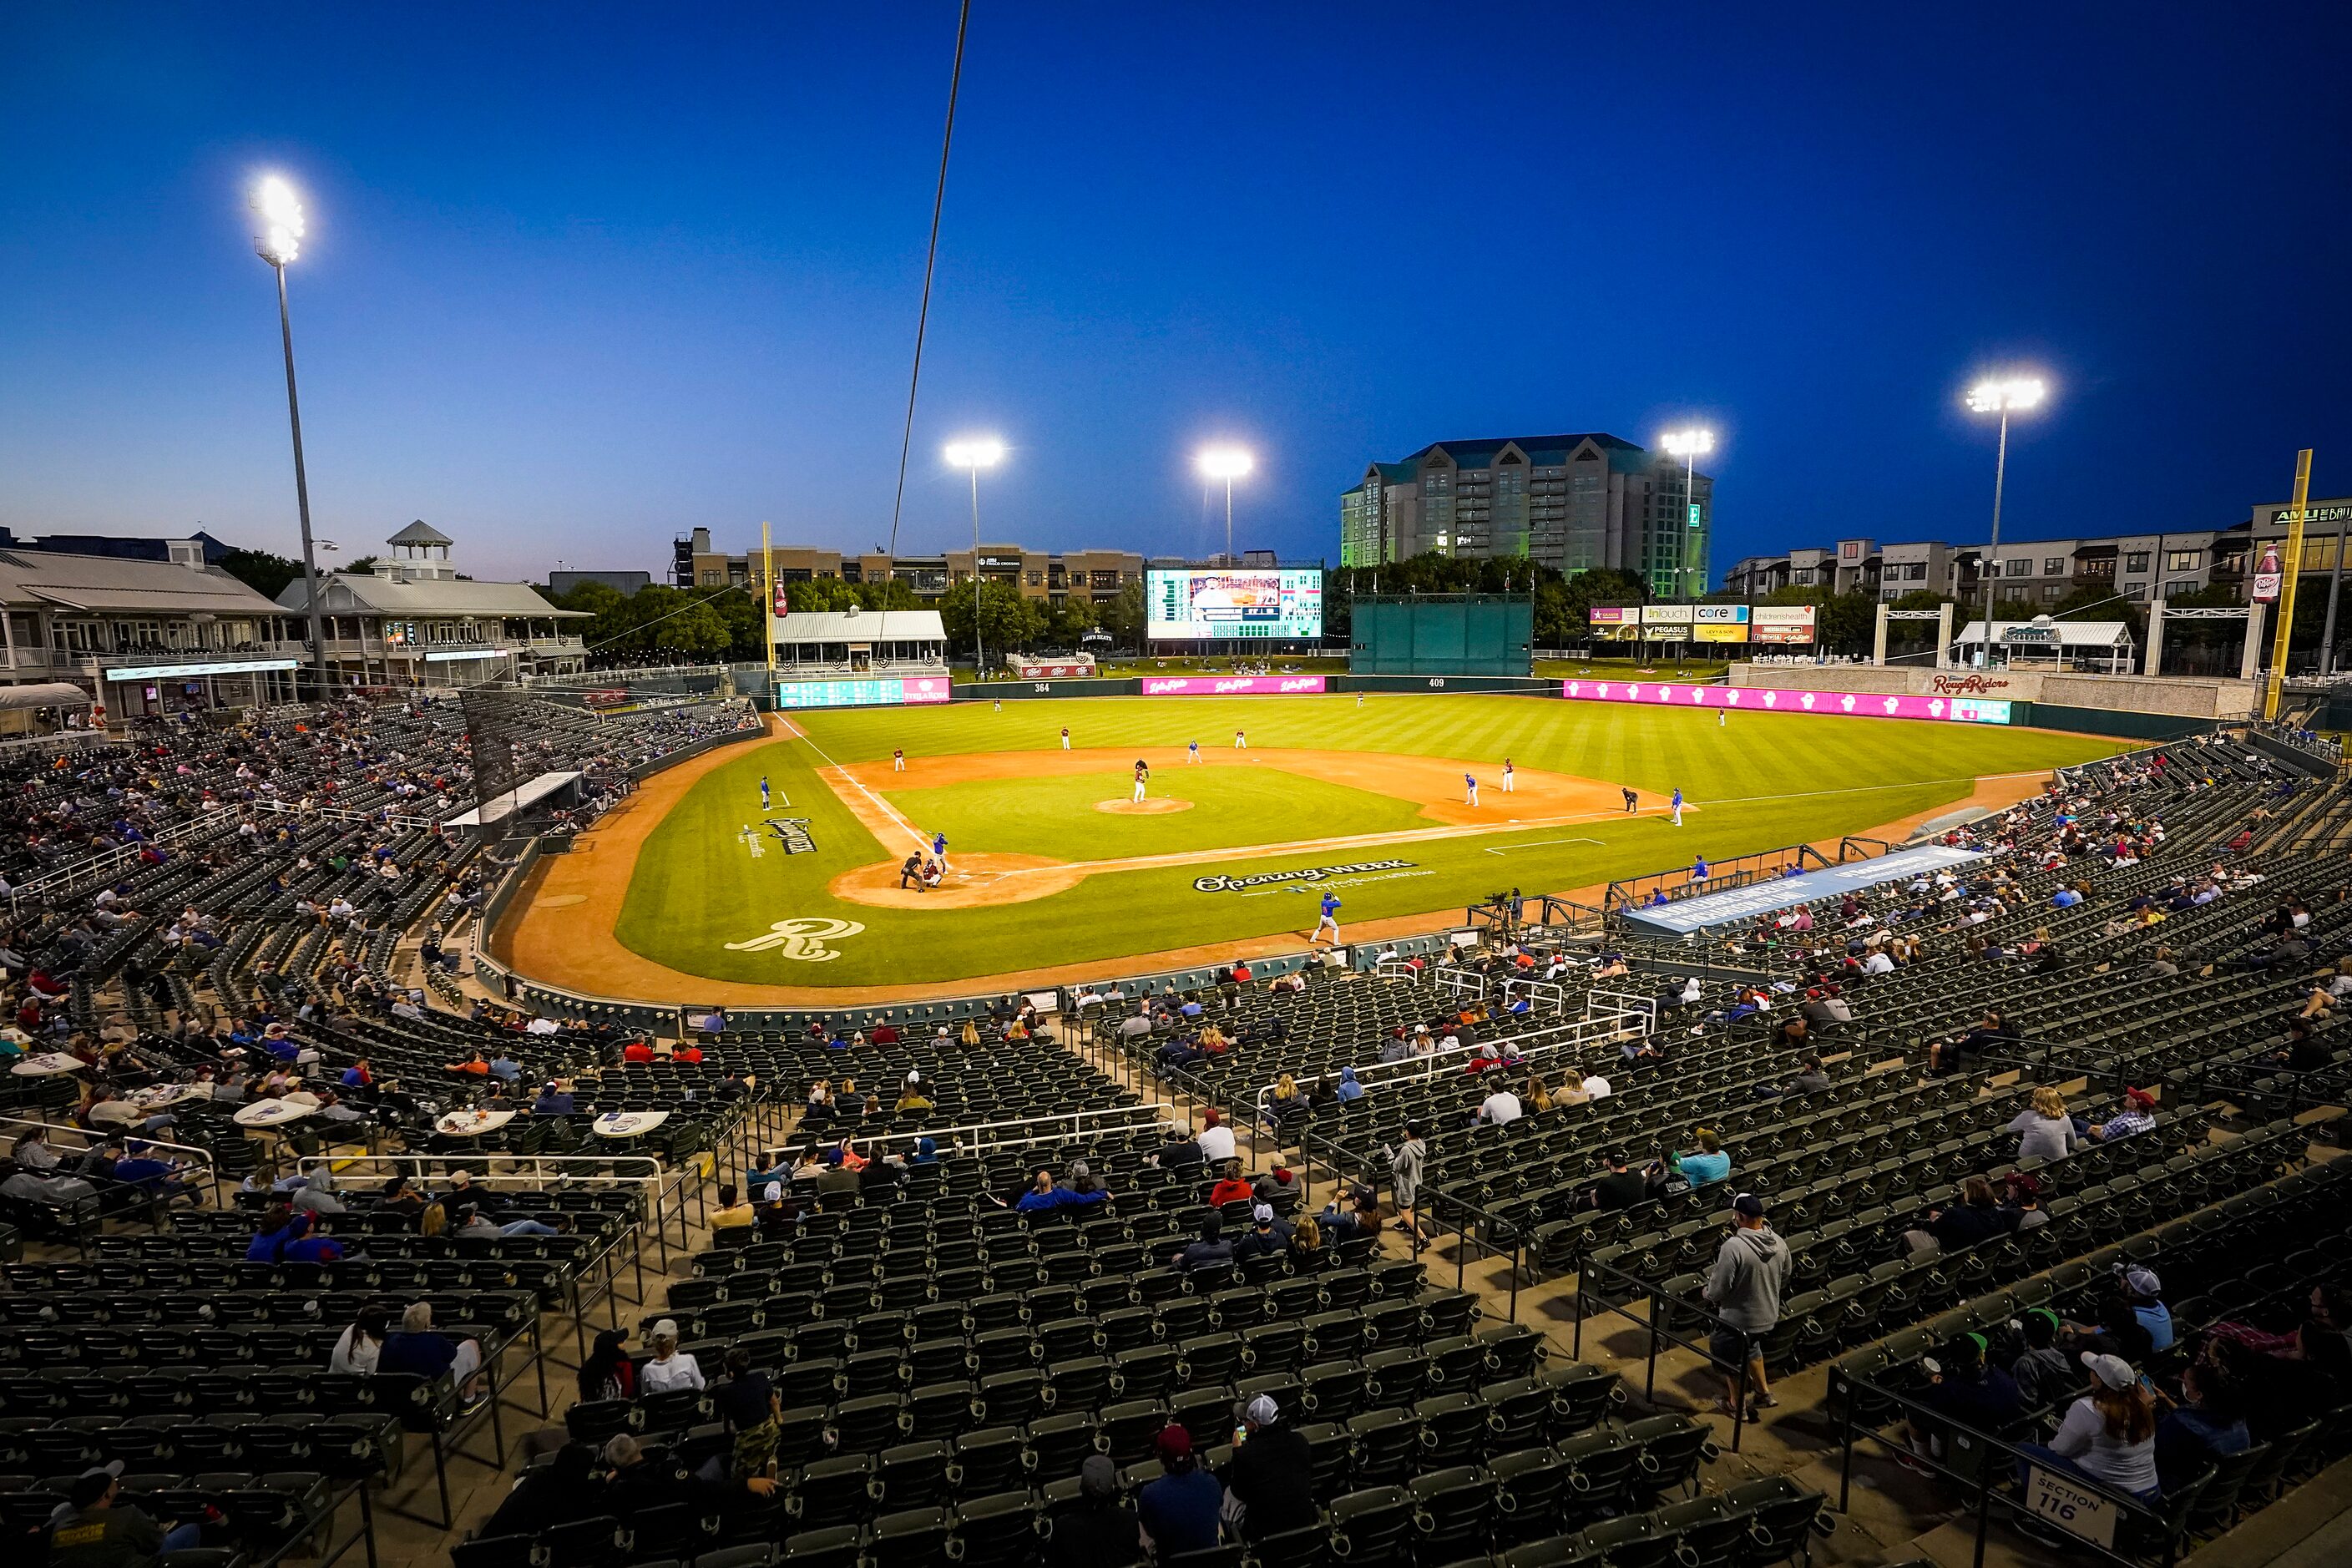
x=1719 y=623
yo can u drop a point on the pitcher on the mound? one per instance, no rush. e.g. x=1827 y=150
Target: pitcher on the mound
x=1142 y=776
x=1330 y=920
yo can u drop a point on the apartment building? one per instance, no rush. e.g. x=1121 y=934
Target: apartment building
x=2136 y=567
x=1571 y=502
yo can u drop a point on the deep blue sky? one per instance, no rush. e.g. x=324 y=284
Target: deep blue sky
x=582 y=277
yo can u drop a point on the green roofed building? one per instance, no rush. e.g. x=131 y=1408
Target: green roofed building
x=1573 y=502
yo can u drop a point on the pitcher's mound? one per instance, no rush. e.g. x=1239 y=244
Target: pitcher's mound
x=1142 y=807
x=973 y=881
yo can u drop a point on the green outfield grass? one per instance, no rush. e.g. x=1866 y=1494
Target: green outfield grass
x=1761 y=781
x=1056 y=816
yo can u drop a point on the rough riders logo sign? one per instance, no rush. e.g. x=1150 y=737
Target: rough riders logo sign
x=1965 y=685
x=802 y=937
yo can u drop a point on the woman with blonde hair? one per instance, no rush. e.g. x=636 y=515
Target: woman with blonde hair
x=2045 y=1130
x=1285 y=1104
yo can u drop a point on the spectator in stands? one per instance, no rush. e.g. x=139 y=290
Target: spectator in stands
x=1216 y=1140
x=1306 y=1245
x=1501 y=1108
x=275 y=1230
x=2209 y=1422
x=357 y=1348
x=2145 y=1292
x=399 y=1198
x=2110 y=1434
x=1594 y=1086
x=1272 y=1474
x=1991 y=1033
x=418 y=1348
x=1081 y=1188
x=1962 y=1388
x=1179 y=1512
x=318 y=1194
x=2303 y=1052
x=1406 y=1161
x=1211 y=1250
x=732 y=1214
x=566 y=1488
x=2042 y=1372
x=1744 y=1288
x=1101 y=1531
x=93 y=1528
x=34 y=1153
x=1285 y=1104
x=1040 y=1196
x=1267 y=1237
x=1349 y=1090
x=912 y=1097
x=2023 y=1197
x=552 y=1100
x=1978 y=1216
x=849 y=1101
x=1232 y=1187
x=1619 y=1189
x=2137 y=1114
x=304 y=1246
x=667 y=1367
x=637 y=1051
x=1808 y=1079
x=608 y=1373
x=1705 y=1165
x=635 y=1484
x=2045 y=1130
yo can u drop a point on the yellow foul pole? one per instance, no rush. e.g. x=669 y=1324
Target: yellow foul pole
x=2292 y=560
x=768 y=597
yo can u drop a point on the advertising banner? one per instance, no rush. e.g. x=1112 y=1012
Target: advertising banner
x=862 y=693
x=1707 y=632
x=1780 y=624
x=1783 y=700
x=1667 y=623
x=1028 y=668
x=2270 y=577
x=1265 y=603
x=1614 y=615
x=1229 y=685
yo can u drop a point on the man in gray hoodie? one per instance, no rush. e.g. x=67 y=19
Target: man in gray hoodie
x=1744 y=1288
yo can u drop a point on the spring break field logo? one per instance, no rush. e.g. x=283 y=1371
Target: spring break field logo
x=1306 y=874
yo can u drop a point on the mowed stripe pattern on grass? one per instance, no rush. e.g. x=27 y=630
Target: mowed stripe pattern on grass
x=1762 y=782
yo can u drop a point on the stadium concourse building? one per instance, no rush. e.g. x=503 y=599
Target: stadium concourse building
x=141 y=633
x=415 y=621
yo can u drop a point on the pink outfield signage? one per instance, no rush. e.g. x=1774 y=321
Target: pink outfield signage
x=1784 y=700
x=927 y=688
x=1229 y=685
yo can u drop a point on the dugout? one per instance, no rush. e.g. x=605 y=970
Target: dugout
x=1443 y=634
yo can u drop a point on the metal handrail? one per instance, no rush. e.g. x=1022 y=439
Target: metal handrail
x=1148 y=1114
x=13 y=1127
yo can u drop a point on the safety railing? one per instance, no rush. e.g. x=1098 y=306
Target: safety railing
x=1632 y=893
x=2086 y=1514
x=978 y=1137
x=1617 y=1291
x=80 y=1140
x=52 y=886
x=385 y=818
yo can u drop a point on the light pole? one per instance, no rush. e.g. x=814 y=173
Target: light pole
x=1688 y=444
x=1227 y=463
x=2019 y=393
x=975 y=454
x=279 y=241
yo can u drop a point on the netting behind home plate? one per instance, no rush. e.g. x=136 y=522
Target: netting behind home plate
x=495 y=723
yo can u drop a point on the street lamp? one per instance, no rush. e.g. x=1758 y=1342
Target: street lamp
x=278 y=243
x=1227 y=463
x=975 y=453
x=1687 y=445
x=2000 y=396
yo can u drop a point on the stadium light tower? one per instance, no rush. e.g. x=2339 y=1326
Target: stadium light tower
x=278 y=243
x=975 y=453
x=2002 y=395
x=1227 y=463
x=1689 y=446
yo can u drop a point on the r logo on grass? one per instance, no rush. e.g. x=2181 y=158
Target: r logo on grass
x=802 y=937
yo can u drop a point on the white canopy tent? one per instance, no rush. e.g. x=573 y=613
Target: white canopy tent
x=2102 y=645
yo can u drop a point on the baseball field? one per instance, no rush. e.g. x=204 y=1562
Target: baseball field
x=695 y=891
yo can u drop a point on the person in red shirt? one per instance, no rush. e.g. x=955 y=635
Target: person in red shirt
x=636 y=1051
x=1241 y=972
x=688 y=1052
x=1232 y=1190
x=886 y=1033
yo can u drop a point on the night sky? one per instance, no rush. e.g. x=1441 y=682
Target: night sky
x=580 y=278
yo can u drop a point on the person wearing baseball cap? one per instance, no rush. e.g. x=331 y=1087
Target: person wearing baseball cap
x=1963 y=1388
x=93 y=1528
x=2146 y=1292
x=1272 y=1473
x=1179 y=1510
x=2108 y=1435
x=1744 y=1288
x=668 y=1367
x=2137 y=1115
x=1102 y=1531
x=1267 y=1237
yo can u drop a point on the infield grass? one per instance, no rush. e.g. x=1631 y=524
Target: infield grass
x=1761 y=781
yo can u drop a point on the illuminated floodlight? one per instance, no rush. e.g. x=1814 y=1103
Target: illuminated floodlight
x=1692 y=443
x=2008 y=394
x=280 y=211
x=1227 y=463
x=976 y=452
